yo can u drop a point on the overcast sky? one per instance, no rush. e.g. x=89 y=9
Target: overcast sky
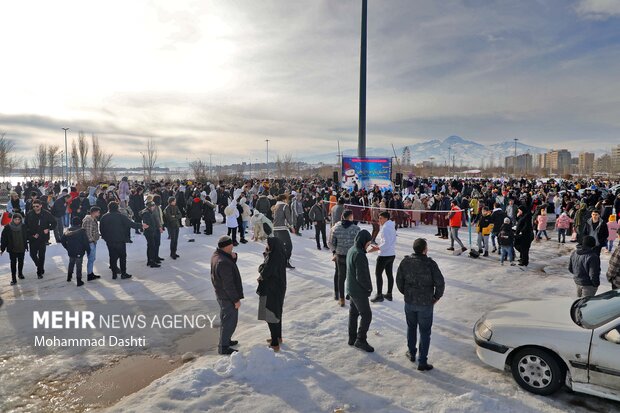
x=220 y=76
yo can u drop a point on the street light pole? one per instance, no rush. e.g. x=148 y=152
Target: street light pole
x=361 y=140
x=514 y=161
x=66 y=158
x=267 y=140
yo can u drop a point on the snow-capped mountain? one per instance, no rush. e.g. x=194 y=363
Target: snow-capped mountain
x=464 y=152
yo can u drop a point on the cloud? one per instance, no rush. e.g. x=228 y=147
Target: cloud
x=220 y=77
x=598 y=9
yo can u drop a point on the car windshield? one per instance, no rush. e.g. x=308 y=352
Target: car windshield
x=593 y=312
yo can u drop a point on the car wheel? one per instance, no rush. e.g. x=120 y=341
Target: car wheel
x=537 y=371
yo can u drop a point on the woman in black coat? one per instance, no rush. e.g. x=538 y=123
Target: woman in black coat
x=195 y=214
x=272 y=289
x=209 y=215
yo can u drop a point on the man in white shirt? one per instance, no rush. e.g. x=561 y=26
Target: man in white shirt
x=386 y=245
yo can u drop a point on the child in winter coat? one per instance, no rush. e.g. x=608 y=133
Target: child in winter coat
x=612 y=226
x=541 y=221
x=562 y=224
x=76 y=243
x=506 y=239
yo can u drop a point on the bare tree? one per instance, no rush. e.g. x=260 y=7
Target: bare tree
x=101 y=160
x=75 y=161
x=284 y=165
x=199 y=170
x=83 y=150
x=39 y=161
x=149 y=158
x=7 y=157
x=53 y=159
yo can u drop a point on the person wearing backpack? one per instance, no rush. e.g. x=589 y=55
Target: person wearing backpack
x=506 y=239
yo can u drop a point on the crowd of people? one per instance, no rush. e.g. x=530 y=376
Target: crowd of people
x=507 y=216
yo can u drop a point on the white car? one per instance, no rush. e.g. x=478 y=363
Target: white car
x=549 y=343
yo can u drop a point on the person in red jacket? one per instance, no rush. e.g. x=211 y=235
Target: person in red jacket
x=455 y=218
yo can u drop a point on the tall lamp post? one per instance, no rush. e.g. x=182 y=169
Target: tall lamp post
x=267 y=140
x=514 y=161
x=361 y=140
x=66 y=159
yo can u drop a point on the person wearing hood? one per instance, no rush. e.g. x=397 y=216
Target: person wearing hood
x=123 y=190
x=341 y=239
x=76 y=243
x=15 y=204
x=208 y=215
x=585 y=265
x=386 y=246
x=562 y=224
x=497 y=216
x=359 y=289
x=14 y=239
x=524 y=235
x=421 y=282
x=282 y=224
x=272 y=289
x=231 y=214
x=597 y=229
x=172 y=220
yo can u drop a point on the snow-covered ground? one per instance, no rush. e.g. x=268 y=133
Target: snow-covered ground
x=316 y=371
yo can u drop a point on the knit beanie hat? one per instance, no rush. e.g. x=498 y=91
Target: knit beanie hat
x=506 y=220
x=224 y=241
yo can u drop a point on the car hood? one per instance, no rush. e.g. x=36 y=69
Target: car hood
x=553 y=313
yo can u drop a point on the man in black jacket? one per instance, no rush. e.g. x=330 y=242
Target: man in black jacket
x=39 y=223
x=113 y=227
x=359 y=288
x=585 y=265
x=76 y=243
x=419 y=279
x=228 y=288
x=318 y=215
x=497 y=216
x=597 y=229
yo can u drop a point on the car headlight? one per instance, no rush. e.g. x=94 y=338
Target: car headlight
x=483 y=331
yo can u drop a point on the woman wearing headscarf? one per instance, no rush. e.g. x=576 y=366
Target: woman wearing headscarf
x=272 y=289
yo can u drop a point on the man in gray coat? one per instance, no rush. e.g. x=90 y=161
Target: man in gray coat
x=341 y=239
x=228 y=288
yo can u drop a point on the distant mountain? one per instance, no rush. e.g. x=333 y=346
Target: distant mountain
x=465 y=152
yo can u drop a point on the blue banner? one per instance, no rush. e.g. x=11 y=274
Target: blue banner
x=366 y=173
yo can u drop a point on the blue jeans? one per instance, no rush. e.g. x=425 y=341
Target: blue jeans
x=91 y=258
x=419 y=316
x=507 y=253
x=610 y=245
x=539 y=234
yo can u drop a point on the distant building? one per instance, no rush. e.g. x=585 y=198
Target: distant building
x=615 y=159
x=603 y=164
x=522 y=165
x=558 y=161
x=586 y=163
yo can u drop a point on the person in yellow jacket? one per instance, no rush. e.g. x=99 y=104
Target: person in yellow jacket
x=484 y=229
